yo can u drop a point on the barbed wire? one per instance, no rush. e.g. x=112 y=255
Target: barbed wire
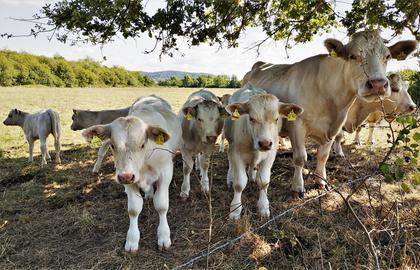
x=207 y=252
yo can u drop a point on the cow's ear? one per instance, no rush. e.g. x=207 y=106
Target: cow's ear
x=101 y=131
x=402 y=49
x=157 y=134
x=74 y=111
x=189 y=111
x=241 y=108
x=16 y=111
x=286 y=108
x=335 y=48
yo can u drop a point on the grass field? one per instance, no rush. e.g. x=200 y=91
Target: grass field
x=64 y=217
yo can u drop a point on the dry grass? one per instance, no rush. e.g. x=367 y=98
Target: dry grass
x=63 y=217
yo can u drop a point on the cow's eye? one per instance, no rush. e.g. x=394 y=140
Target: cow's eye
x=276 y=120
x=353 y=57
x=388 y=57
x=252 y=120
x=142 y=146
x=112 y=146
x=199 y=119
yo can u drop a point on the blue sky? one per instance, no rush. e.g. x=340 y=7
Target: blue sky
x=204 y=58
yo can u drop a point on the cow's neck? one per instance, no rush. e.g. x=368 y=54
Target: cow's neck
x=21 y=121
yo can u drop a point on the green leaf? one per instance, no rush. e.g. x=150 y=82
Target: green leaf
x=399 y=174
x=401 y=120
x=384 y=168
x=405 y=187
x=416 y=179
x=411 y=120
x=399 y=162
x=416 y=136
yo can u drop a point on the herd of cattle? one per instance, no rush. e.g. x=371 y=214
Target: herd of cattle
x=319 y=97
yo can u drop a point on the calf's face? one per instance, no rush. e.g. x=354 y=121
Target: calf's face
x=262 y=114
x=207 y=119
x=130 y=140
x=13 y=118
x=367 y=57
x=401 y=99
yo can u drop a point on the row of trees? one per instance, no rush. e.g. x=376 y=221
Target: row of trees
x=219 y=81
x=26 y=69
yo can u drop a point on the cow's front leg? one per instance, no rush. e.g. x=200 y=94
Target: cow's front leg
x=370 y=139
x=31 y=149
x=222 y=143
x=357 y=136
x=57 y=147
x=240 y=180
x=135 y=205
x=204 y=162
x=297 y=139
x=187 y=168
x=161 y=203
x=252 y=172
x=101 y=155
x=263 y=181
x=322 y=157
x=48 y=156
x=229 y=177
x=338 y=150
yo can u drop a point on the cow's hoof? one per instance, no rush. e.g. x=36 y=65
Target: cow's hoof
x=132 y=248
x=164 y=244
x=305 y=171
x=234 y=216
x=183 y=196
x=298 y=194
x=265 y=213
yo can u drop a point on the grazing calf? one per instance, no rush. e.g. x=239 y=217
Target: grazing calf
x=253 y=139
x=326 y=86
x=84 y=119
x=144 y=143
x=201 y=123
x=225 y=101
x=399 y=102
x=38 y=126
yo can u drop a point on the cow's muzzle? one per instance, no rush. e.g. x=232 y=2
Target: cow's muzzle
x=126 y=178
x=377 y=86
x=265 y=145
x=211 y=139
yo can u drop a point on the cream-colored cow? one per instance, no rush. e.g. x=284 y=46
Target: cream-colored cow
x=326 y=86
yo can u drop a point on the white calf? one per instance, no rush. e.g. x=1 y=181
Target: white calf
x=143 y=144
x=201 y=123
x=253 y=139
x=38 y=126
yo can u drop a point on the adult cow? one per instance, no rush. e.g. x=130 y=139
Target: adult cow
x=399 y=102
x=326 y=86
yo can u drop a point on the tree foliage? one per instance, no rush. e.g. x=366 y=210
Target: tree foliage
x=413 y=78
x=219 y=81
x=217 y=21
x=26 y=69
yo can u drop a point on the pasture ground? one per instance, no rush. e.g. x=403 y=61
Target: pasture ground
x=64 y=217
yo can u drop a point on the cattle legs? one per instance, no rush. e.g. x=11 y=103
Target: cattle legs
x=57 y=147
x=338 y=150
x=161 y=203
x=297 y=139
x=357 y=136
x=31 y=149
x=263 y=180
x=204 y=163
x=101 y=155
x=322 y=157
x=135 y=205
x=43 y=151
x=370 y=140
x=187 y=168
x=240 y=180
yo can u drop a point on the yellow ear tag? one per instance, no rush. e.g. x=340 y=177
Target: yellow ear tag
x=401 y=56
x=291 y=116
x=160 y=139
x=333 y=53
x=189 y=117
x=235 y=115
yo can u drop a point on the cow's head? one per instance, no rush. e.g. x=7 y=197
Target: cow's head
x=401 y=101
x=262 y=114
x=14 y=118
x=82 y=119
x=367 y=58
x=130 y=139
x=207 y=117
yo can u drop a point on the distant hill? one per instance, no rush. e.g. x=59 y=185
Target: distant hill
x=167 y=74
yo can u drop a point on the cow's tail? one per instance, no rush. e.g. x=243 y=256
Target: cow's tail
x=56 y=131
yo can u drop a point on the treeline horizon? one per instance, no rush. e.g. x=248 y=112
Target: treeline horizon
x=20 y=69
